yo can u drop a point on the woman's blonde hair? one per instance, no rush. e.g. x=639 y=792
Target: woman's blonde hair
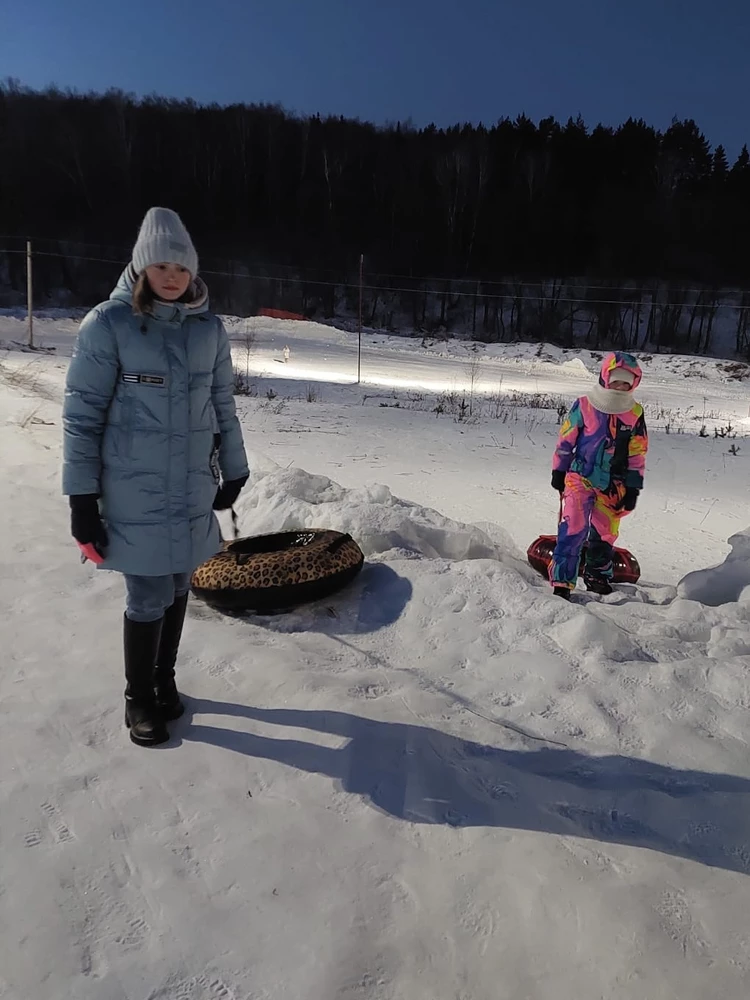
x=143 y=295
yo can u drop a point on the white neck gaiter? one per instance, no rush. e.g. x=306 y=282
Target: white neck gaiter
x=610 y=400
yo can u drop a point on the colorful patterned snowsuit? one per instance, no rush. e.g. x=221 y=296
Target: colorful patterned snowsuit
x=602 y=454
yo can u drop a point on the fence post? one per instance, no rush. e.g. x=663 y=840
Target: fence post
x=29 y=293
x=359 y=339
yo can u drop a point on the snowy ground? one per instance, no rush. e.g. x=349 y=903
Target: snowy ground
x=442 y=783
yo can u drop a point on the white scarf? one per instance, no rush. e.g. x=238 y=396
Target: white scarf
x=610 y=400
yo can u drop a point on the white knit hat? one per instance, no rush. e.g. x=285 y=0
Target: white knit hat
x=621 y=375
x=163 y=239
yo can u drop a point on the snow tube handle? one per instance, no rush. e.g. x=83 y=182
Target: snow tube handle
x=235 y=527
x=336 y=544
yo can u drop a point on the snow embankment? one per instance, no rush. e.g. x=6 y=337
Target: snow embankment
x=440 y=782
x=286 y=499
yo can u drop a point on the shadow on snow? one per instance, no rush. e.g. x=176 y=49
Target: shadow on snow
x=376 y=599
x=421 y=775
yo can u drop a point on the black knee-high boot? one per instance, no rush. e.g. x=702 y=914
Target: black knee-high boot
x=167 y=696
x=142 y=716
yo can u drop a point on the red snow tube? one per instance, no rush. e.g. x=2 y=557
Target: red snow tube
x=624 y=564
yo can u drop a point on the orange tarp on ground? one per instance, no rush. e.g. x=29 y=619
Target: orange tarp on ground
x=279 y=314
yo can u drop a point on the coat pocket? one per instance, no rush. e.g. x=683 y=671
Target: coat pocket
x=213 y=461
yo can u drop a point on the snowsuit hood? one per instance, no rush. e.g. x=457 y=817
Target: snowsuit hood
x=620 y=359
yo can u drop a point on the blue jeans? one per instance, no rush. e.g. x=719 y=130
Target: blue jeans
x=150 y=596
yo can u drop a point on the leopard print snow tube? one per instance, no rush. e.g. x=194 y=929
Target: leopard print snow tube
x=277 y=572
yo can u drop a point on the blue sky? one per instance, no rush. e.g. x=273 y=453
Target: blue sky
x=428 y=60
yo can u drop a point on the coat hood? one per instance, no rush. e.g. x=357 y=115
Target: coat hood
x=123 y=292
x=620 y=359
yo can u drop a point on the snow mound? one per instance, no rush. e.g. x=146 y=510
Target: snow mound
x=288 y=499
x=575 y=366
x=723 y=584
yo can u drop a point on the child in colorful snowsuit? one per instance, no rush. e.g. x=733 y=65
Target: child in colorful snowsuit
x=598 y=468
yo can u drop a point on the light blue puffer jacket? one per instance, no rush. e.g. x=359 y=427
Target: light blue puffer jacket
x=148 y=411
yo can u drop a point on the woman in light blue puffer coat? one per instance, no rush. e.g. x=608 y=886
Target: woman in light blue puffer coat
x=152 y=446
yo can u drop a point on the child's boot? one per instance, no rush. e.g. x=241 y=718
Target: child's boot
x=168 y=699
x=597 y=584
x=142 y=716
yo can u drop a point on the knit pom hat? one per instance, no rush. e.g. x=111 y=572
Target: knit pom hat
x=163 y=239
